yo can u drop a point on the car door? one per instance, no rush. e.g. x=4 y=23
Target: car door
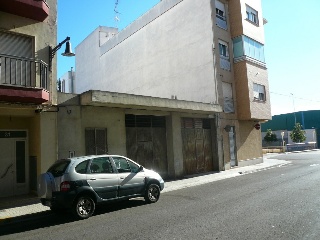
x=102 y=178
x=131 y=180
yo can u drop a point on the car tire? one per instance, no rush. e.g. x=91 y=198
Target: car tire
x=83 y=207
x=152 y=193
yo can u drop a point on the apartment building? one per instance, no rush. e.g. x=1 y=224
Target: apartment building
x=182 y=89
x=28 y=138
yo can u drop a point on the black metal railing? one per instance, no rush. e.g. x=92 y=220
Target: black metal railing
x=23 y=72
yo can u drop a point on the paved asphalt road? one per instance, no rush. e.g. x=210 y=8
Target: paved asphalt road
x=278 y=203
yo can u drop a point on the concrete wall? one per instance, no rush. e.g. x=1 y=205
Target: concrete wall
x=241 y=26
x=248 y=146
x=169 y=56
x=88 y=76
x=73 y=120
x=246 y=74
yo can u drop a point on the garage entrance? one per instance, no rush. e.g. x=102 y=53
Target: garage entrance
x=197 y=145
x=146 y=141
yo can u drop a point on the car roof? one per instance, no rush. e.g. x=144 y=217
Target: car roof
x=81 y=158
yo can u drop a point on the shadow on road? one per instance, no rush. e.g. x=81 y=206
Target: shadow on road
x=48 y=218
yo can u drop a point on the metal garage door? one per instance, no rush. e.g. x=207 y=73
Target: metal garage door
x=197 y=145
x=146 y=141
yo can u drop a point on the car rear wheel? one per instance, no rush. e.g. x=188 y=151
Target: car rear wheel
x=84 y=207
x=152 y=194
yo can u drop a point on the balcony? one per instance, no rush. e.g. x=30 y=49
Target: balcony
x=34 y=9
x=23 y=80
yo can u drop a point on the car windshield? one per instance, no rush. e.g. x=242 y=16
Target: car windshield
x=58 y=168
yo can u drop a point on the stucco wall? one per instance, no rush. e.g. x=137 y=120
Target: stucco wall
x=241 y=26
x=249 y=144
x=73 y=120
x=170 y=56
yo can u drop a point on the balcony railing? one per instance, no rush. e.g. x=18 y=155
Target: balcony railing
x=23 y=72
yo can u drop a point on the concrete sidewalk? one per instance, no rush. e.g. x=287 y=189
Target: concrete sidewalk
x=21 y=208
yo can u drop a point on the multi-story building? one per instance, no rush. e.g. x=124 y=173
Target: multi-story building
x=66 y=82
x=28 y=136
x=182 y=89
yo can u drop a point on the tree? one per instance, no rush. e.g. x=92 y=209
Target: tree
x=298 y=135
x=270 y=136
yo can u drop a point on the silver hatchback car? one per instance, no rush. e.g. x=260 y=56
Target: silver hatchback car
x=80 y=183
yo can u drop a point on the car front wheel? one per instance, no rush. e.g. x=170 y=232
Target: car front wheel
x=84 y=207
x=152 y=194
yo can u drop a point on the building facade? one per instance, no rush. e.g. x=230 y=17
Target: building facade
x=28 y=136
x=204 y=55
x=65 y=83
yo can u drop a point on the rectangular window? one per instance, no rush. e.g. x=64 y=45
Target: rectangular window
x=228 y=106
x=259 y=92
x=252 y=15
x=244 y=46
x=221 y=20
x=224 y=55
x=96 y=141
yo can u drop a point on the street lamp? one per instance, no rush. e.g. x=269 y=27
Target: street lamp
x=294 y=110
x=68 y=52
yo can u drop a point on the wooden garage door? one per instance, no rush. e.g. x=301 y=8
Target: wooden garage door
x=197 y=145
x=146 y=141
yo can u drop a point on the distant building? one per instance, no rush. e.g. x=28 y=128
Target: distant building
x=179 y=90
x=66 y=82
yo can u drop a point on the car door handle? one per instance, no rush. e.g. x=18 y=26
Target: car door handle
x=121 y=177
x=93 y=179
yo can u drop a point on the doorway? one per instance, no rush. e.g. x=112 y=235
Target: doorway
x=232 y=146
x=13 y=159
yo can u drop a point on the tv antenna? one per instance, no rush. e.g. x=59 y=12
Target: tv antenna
x=116 y=17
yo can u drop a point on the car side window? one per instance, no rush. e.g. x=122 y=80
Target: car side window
x=82 y=167
x=121 y=164
x=134 y=167
x=101 y=165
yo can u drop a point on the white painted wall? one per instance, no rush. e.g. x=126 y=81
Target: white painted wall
x=67 y=81
x=166 y=52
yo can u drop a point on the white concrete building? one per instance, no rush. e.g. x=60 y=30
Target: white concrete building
x=66 y=82
x=205 y=56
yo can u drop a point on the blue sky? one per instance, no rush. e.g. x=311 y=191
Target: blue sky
x=291 y=43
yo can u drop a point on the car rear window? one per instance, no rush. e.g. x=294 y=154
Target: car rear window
x=59 y=168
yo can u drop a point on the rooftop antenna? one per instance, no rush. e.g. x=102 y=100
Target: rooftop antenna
x=116 y=17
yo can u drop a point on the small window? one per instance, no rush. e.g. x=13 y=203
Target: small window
x=221 y=20
x=224 y=55
x=82 y=167
x=59 y=168
x=252 y=15
x=101 y=165
x=134 y=167
x=259 y=92
x=219 y=13
x=96 y=141
x=121 y=164
x=228 y=97
x=223 y=49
